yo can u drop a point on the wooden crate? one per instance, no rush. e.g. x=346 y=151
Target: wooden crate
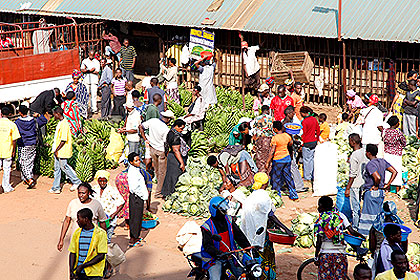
x=299 y=62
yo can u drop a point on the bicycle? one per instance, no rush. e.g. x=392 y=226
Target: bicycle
x=309 y=271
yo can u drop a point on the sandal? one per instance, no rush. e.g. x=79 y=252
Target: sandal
x=31 y=185
x=136 y=244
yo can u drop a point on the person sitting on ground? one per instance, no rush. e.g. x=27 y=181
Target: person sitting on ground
x=234 y=163
x=88 y=248
x=46 y=101
x=221 y=224
x=330 y=249
x=400 y=270
x=110 y=199
x=152 y=110
x=84 y=200
x=28 y=127
x=324 y=128
x=343 y=129
x=391 y=243
x=197 y=110
x=281 y=161
x=238 y=135
x=362 y=272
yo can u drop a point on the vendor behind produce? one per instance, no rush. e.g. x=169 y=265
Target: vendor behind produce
x=234 y=163
x=258 y=212
x=239 y=133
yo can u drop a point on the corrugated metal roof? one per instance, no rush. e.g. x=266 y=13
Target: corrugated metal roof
x=382 y=20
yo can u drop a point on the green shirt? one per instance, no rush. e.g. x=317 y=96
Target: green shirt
x=151 y=112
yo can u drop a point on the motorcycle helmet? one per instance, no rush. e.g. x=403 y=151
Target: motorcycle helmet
x=218 y=203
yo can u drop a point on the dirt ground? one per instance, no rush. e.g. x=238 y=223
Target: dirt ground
x=31 y=221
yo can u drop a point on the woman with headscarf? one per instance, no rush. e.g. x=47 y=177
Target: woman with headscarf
x=376 y=235
x=258 y=211
x=72 y=114
x=354 y=105
x=110 y=198
x=263 y=131
x=238 y=134
x=176 y=150
x=82 y=95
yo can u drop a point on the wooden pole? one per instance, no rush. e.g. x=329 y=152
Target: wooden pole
x=344 y=73
x=339 y=20
x=243 y=81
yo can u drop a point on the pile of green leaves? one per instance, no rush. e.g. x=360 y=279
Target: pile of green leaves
x=303 y=227
x=344 y=151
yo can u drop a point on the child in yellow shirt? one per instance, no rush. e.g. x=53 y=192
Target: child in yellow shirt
x=324 y=128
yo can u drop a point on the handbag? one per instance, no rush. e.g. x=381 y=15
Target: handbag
x=115 y=255
x=39 y=137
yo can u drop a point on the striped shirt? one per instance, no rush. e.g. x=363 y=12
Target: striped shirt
x=119 y=86
x=127 y=55
x=84 y=244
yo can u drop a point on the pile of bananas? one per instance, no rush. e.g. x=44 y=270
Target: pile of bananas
x=185 y=96
x=89 y=150
x=199 y=144
x=177 y=109
x=232 y=97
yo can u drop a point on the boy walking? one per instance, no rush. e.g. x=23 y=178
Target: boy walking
x=62 y=149
x=88 y=248
x=9 y=133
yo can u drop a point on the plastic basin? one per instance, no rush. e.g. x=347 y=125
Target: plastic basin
x=353 y=240
x=281 y=238
x=149 y=223
x=405 y=231
x=293 y=130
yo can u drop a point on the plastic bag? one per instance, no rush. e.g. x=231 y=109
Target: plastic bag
x=115 y=255
x=346 y=209
x=115 y=147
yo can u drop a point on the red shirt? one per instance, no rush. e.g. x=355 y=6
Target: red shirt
x=310 y=128
x=279 y=104
x=5 y=43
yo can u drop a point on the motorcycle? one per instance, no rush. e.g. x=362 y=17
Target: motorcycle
x=250 y=264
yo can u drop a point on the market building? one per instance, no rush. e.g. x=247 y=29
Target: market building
x=378 y=43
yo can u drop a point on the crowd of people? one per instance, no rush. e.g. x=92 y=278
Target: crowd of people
x=375 y=134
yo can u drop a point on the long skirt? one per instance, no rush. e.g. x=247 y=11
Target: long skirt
x=121 y=183
x=396 y=162
x=372 y=205
x=262 y=146
x=26 y=161
x=172 y=174
x=332 y=267
x=268 y=260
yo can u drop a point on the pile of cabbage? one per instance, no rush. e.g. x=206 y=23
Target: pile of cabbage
x=413 y=255
x=277 y=200
x=412 y=166
x=344 y=151
x=194 y=189
x=303 y=227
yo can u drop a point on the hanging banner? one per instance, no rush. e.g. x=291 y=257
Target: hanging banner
x=201 y=41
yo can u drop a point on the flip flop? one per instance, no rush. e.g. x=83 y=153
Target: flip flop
x=136 y=244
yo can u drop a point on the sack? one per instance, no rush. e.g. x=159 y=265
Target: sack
x=115 y=255
x=115 y=147
x=325 y=169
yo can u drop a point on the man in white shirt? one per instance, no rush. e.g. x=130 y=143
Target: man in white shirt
x=90 y=67
x=131 y=127
x=251 y=65
x=373 y=121
x=138 y=194
x=145 y=84
x=156 y=139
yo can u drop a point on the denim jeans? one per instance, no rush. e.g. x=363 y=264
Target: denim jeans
x=355 y=206
x=60 y=164
x=308 y=163
x=215 y=271
x=246 y=156
x=7 y=164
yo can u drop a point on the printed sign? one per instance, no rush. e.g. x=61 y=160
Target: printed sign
x=200 y=40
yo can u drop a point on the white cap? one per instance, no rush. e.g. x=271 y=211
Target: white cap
x=168 y=114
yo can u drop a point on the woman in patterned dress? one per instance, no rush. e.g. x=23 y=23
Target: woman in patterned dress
x=122 y=185
x=82 y=96
x=72 y=114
